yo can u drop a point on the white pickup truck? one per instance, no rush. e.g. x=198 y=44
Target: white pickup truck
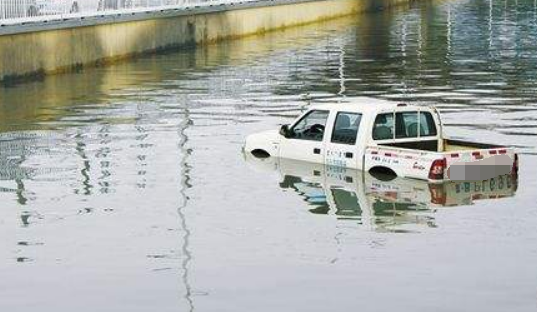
x=380 y=136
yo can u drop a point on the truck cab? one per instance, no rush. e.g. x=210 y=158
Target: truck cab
x=371 y=134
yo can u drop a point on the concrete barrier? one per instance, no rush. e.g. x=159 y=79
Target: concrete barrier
x=48 y=48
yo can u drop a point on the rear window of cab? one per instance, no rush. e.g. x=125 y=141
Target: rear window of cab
x=404 y=125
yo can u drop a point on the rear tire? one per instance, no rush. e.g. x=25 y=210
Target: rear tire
x=383 y=173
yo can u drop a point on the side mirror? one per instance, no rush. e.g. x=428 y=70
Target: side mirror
x=285 y=131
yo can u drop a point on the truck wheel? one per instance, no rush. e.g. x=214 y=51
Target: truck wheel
x=259 y=153
x=74 y=8
x=32 y=11
x=383 y=173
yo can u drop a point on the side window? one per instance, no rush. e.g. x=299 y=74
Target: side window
x=383 y=127
x=346 y=128
x=427 y=124
x=406 y=125
x=311 y=127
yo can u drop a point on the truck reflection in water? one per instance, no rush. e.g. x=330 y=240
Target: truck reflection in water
x=375 y=202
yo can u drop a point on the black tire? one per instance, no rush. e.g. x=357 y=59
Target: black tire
x=259 y=153
x=383 y=173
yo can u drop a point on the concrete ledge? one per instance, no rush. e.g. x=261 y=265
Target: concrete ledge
x=62 y=45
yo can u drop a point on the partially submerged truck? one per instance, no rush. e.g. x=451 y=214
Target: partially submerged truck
x=381 y=136
x=396 y=205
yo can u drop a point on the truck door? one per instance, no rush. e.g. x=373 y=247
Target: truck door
x=306 y=138
x=341 y=146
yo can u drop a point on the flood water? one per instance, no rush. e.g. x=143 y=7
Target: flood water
x=124 y=188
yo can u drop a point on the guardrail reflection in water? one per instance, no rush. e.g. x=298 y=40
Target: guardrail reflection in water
x=23 y=11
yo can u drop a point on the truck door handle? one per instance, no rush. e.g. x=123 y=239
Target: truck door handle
x=348 y=155
x=316 y=151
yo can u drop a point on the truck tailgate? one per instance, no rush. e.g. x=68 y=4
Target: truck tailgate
x=479 y=164
x=476 y=164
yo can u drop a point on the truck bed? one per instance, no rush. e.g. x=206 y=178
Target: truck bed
x=415 y=159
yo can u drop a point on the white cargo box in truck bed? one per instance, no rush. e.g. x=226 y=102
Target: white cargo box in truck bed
x=377 y=135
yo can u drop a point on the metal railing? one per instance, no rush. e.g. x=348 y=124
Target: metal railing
x=20 y=11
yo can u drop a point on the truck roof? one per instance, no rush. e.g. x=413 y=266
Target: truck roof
x=366 y=104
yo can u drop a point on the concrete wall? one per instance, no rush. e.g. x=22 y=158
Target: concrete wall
x=29 y=51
